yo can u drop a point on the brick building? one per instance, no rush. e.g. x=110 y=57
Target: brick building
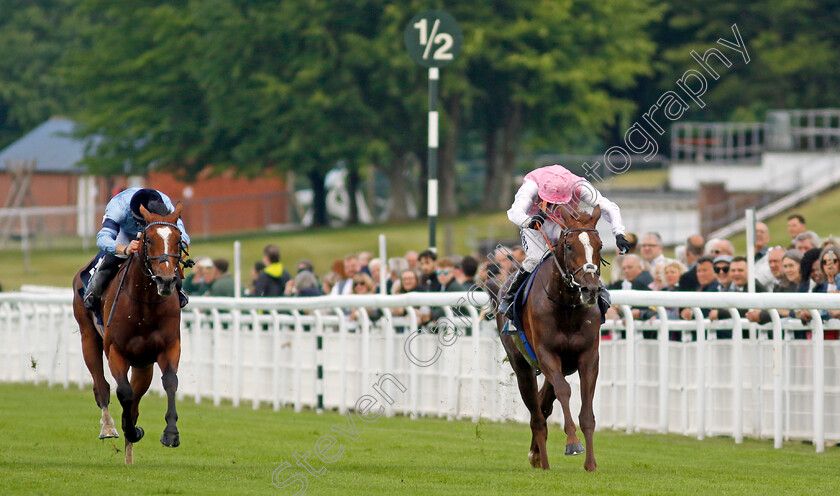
x=44 y=162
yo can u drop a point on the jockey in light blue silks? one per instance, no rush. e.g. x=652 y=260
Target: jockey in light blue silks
x=118 y=237
x=557 y=187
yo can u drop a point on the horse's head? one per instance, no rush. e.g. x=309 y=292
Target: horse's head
x=579 y=252
x=160 y=249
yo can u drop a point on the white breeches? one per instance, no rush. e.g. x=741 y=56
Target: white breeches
x=535 y=246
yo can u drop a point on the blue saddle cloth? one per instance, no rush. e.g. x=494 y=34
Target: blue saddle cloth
x=516 y=327
x=518 y=304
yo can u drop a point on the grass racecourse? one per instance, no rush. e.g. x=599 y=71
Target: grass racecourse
x=49 y=445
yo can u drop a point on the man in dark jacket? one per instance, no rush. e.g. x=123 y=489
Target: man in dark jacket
x=707 y=282
x=636 y=278
x=445 y=273
x=272 y=280
x=694 y=249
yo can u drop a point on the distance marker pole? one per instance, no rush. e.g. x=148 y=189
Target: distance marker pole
x=432 y=196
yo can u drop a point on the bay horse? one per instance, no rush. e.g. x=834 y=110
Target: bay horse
x=141 y=319
x=562 y=322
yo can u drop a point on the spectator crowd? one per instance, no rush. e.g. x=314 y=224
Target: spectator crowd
x=807 y=263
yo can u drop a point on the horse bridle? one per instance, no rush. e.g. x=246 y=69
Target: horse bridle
x=566 y=272
x=147 y=260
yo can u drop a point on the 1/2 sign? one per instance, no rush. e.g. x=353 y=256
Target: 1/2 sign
x=433 y=38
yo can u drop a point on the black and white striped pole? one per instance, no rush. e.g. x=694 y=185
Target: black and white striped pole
x=433 y=39
x=432 y=195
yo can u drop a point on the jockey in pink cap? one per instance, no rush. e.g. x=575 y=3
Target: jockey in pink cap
x=554 y=185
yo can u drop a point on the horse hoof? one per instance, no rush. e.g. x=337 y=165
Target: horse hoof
x=108 y=431
x=575 y=449
x=138 y=435
x=534 y=459
x=170 y=440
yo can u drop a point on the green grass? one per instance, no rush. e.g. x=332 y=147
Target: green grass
x=640 y=179
x=820 y=213
x=49 y=445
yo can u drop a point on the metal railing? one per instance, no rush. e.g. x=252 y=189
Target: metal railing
x=696 y=377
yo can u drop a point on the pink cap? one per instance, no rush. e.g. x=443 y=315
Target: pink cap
x=555 y=183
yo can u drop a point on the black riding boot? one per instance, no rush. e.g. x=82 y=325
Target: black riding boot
x=183 y=299
x=507 y=300
x=99 y=281
x=604 y=302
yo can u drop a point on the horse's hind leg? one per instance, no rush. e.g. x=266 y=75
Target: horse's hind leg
x=588 y=370
x=547 y=398
x=527 y=381
x=92 y=351
x=168 y=362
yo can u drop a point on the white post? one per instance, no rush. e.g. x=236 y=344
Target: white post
x=737 y=376
x=750 y=221
x=819 y=381
x=237 y=269
x=777 y=378
x=701 y=373
x=630 y=378
x=662 y=341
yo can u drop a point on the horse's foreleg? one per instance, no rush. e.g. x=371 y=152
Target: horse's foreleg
x=168 y=362
x=564 y=390
x=527 y=381
x=140 y=381
x=92 y=351
x=125 y=394
x=588 y=370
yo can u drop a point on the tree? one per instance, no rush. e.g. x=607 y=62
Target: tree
x=34 y=35
x=546 y=72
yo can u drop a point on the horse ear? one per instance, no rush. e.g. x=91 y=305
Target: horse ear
x=146 y=214
x=177 y=211
x=565 y=214
x=596 y=213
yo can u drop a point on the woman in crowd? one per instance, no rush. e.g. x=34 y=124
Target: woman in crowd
x=304 y=284
x=823 y=275
x=363 y=285
x=409 y=282
x=658 y=273
x=329 y=280
x=672 y=273
x=789 y=283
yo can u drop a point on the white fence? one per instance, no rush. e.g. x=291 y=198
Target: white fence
x=686 y=377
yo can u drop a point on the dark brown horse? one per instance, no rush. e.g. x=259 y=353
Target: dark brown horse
x=142 y=318
x=562 y=321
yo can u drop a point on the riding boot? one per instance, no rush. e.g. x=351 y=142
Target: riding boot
x=106 y=271
x=507 y=300
x=604 y=302
x=183 y=299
